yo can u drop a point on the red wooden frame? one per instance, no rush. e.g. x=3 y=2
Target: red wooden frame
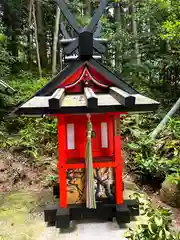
x=80 y=124
x=119 y=165
x=116 y=162
x=61 y=164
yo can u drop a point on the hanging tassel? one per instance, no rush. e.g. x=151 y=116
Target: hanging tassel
x=90 y=191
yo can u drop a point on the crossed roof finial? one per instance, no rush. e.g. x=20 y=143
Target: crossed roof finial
x=87 y=40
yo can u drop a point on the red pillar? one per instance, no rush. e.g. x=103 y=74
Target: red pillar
x=62 y=161
x=118 y=161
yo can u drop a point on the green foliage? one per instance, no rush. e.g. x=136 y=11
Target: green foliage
x=5 y=65
x=26 y=84
x=52 y=179
x=171 y=25
x=157 y=225
x=174 y=127
x=35 y=136
x=158 y=72
x=5 y=57
x=147 y=157
x=172 y=30
x=175 y=177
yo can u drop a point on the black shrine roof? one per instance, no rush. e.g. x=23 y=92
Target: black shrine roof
x=73 y=67
x=98 y=90
x=117 y=97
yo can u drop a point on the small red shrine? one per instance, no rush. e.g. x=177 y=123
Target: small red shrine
x=88 y=100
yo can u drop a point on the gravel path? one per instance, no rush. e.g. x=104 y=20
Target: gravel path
x=93 y=231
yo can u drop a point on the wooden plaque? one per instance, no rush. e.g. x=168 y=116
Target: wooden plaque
x=117 y=127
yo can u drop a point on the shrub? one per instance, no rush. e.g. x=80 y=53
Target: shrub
x=5 y=66
x=157 y=226
x=26 y=85
x=146 y=156
x=5 y=58
x=175 y=177
x=35 y=136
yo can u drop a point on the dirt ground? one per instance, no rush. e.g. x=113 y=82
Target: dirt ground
x=24 y=192
x=19 y=172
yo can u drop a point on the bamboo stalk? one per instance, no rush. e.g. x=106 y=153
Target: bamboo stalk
x=162 y=124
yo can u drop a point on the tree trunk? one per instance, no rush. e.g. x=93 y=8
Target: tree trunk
x=36 y=38
x=30 y=35
x=41 y=33
x=117 y=18
x=135 y=32
x=11 y=22
x=173 y=110
x=55 y=41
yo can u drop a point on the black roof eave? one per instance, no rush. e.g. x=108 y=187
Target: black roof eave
x=77 y=110
x=59 y=78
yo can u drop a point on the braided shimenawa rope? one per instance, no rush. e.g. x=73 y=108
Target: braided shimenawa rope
x=90 y=192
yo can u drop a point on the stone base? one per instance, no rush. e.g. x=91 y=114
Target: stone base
x=106 y=211
x=170 y=193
